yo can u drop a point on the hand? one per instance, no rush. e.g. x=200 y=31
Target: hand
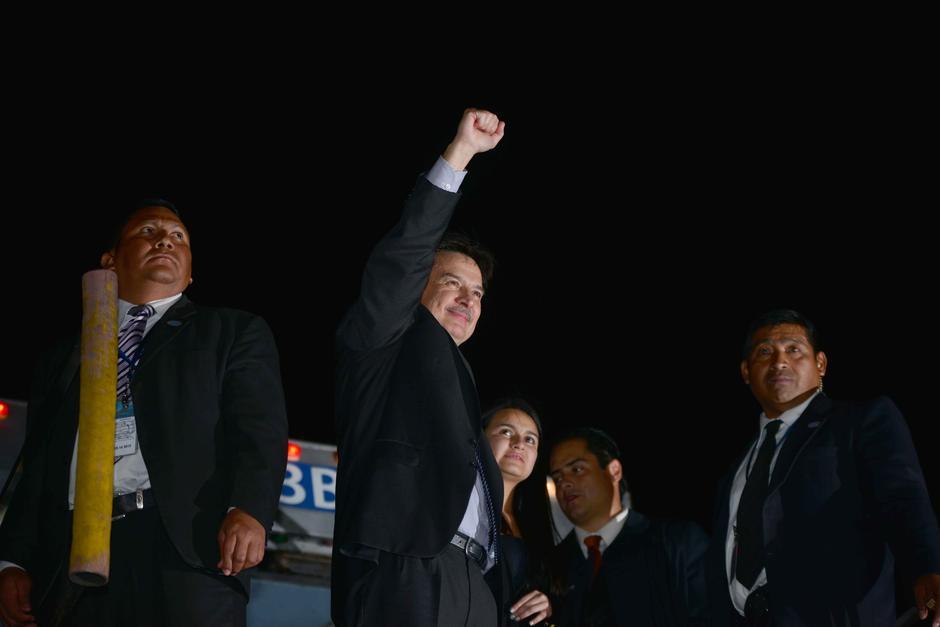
x=15 y=608
x=927 y=589
x=478 y=132
x=534 y=606
x=241 y=542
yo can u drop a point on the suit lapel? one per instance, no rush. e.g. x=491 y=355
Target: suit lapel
x=631 y=534
x=624 y=585
x=494 y=478
x=471 y=402
x=467 y=366
x=468 y=387
x=577 y=567
x=620 y=559
x=173 y=321
x=802 y=431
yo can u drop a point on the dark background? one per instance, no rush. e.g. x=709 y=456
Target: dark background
x=638 y=228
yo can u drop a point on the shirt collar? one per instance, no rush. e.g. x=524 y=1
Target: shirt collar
x=608 y=532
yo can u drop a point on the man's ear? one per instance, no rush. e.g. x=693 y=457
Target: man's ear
x=615 y=470
x=822 y=362
x=107 y=260
x=745 y=372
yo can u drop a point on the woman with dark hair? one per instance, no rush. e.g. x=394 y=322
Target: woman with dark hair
x=514 y=432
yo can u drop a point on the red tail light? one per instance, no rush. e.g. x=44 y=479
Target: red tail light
x=293 y=452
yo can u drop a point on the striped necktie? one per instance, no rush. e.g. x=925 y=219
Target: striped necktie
x=490 y=512
x=129 y=349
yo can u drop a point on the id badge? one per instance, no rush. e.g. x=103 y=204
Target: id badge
x=125 y=430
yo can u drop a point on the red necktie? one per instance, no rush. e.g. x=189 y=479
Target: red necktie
x=593 y=544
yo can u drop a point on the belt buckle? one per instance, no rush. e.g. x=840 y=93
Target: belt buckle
x=479 y=559
x=467 y=547
x=138 y=503
x=466 y=544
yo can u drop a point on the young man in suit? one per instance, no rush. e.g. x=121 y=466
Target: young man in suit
x=417 y=482
x=618 y=567
x=805 y=519
x=199 y=458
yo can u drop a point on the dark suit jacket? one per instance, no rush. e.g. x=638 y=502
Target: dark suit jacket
x=212 y=429
x=846 y=485
x=652 y=574
x=408 y=416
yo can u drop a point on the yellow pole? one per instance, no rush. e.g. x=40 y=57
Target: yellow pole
x=94 y=473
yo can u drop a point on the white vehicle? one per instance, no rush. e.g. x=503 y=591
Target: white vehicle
x=304 y=521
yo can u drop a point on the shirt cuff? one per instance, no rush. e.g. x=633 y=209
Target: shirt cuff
x=442 y=175
x=5 y=565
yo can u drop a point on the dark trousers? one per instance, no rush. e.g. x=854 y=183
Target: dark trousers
x=447 y=590
x=150 y=585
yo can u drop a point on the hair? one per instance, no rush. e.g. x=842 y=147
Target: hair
x=513 y=402
x=777 y=317
x=601 y=445
x=143 y=203
x=522 y=495
x=530 y=505
x=135 y=207
x=465 y=245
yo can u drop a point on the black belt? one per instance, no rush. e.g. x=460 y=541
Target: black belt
x=131 y=502
x=757 y=607
x=471 y=548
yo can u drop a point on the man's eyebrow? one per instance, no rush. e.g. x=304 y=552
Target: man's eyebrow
x=783 y=340
x=451 y=275
x=565 y=465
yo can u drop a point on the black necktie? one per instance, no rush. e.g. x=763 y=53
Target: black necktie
x=749 y=527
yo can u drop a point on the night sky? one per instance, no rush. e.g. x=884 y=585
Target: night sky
x=636 y=236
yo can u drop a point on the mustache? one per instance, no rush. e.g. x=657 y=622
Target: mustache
x=462 y=310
